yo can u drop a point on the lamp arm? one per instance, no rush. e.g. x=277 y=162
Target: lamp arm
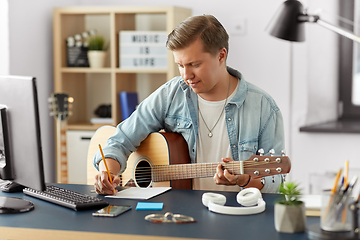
x=316 y=19
x=338 y=30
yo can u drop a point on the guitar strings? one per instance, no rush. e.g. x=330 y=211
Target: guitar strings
x=228 y=163
x=166 y=178
x=198 y=165
x=175 y=176
x=144 y=174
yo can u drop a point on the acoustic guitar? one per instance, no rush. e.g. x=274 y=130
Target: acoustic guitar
x=162 y=159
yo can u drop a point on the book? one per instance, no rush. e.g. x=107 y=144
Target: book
x=101 y=120
x=128 y=103
x=312 y=204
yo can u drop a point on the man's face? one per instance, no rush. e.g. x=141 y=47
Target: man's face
x=199 y=69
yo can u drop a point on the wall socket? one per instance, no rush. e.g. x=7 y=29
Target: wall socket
x=237 y=27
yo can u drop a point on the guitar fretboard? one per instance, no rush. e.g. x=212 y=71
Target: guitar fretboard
x=183 y=171
x=202 y=170
x=62 y=167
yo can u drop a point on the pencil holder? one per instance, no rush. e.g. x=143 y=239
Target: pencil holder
x=335 y=213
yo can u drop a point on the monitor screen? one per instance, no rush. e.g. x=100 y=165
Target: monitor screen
x=5 y=166
x=20 y=144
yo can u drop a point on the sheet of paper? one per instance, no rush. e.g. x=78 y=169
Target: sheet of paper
x=140 y=193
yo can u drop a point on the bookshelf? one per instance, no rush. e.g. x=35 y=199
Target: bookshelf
x=92 y=87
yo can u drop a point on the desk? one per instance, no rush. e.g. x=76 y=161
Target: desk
x=49 y=221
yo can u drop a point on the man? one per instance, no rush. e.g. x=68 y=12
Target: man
x=220 y=115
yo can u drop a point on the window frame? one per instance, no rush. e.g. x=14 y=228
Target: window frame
x=347 y=110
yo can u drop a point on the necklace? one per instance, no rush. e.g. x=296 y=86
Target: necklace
x=210 y=130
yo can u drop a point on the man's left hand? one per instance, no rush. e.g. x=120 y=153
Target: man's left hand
x=224 y=177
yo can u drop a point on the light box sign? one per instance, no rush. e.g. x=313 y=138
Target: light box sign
x=142 y=49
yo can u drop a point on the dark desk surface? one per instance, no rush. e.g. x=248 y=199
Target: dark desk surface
x=188 y=202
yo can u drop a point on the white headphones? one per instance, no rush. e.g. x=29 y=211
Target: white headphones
x=250 y=198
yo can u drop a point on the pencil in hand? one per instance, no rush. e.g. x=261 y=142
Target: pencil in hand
x=106 y=166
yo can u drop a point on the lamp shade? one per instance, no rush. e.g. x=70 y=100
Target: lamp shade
x=286 y=24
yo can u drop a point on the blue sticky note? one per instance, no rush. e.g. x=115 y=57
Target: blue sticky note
x=149 y=206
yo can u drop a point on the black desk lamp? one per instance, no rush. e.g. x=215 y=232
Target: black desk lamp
x=288 y=23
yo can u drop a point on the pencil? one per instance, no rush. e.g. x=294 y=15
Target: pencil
x=333 y=195
x=106 y=166
x=346 y=174
x=336 y=181
x=347 y=192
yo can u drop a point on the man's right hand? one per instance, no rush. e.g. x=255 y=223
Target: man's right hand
x=102 y=182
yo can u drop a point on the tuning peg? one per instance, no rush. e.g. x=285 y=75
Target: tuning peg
x=283 y=153
x=272 y=152
x=261 y=151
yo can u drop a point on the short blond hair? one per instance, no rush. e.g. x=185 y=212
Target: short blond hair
x=206 y=27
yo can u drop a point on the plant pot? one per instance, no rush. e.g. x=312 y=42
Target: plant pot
x=97 y=59
x=289 y=219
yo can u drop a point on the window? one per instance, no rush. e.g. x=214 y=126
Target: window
x=349 y=75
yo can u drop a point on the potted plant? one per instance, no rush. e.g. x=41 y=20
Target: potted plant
x=96 y=51
x=289 y=211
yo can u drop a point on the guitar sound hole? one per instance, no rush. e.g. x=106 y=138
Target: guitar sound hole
x=143 y=174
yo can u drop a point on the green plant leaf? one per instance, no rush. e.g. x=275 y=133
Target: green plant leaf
x=290 y=193
x=96 y=43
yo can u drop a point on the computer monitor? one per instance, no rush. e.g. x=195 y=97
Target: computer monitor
x=21 y=159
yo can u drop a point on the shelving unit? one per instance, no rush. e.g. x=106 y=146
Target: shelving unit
x=91 y=87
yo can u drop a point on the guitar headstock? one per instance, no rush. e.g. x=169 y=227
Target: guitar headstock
x=60 y=105
x=262 y=165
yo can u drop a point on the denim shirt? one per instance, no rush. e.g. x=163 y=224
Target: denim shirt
x=253 y=121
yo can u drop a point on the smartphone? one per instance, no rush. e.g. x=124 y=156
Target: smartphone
x=111 y=211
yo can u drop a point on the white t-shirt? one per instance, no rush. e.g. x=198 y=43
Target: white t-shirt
x=212 y=149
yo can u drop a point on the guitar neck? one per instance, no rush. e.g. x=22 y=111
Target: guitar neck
x=183 y=171
x=62 y=168
x=60 y=105
x=202 y=170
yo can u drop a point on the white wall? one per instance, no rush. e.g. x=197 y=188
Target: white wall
x=264 y=60
x=4 y=37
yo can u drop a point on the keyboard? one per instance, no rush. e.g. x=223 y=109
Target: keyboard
x=66 y=198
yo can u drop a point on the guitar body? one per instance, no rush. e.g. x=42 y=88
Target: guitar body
x=157 y=149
